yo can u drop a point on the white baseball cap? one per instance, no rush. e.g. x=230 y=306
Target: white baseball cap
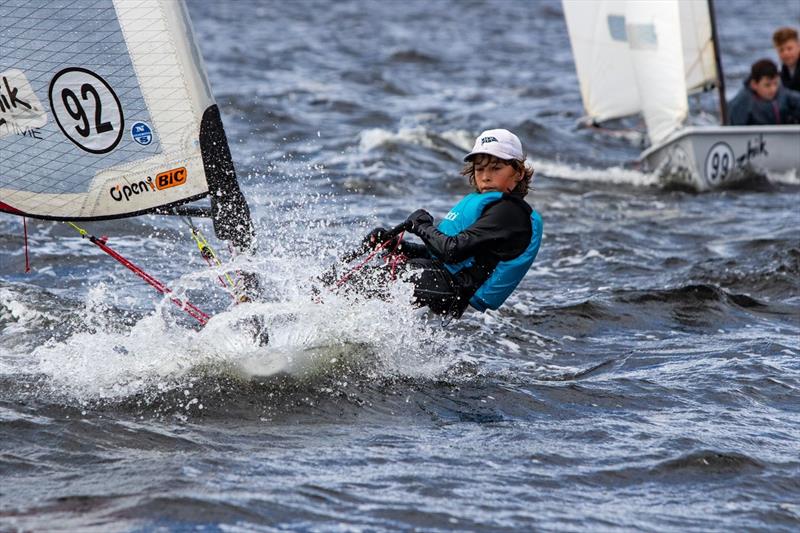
x=499 y=143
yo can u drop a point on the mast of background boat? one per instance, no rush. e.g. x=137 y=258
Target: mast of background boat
x=723 y=104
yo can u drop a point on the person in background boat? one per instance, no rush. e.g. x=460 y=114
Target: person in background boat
x=484 y=246
x=788 y=48
x=762 y=100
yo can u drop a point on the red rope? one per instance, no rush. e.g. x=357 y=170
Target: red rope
x=394 y=259
x=360 y=266
x=190 y=309
x=27 y=258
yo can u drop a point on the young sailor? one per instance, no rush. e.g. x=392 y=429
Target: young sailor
x=788 y=47
x=480 y=251
x=762 y=100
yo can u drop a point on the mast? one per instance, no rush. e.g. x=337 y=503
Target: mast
x=229 y=210
x=723 y=104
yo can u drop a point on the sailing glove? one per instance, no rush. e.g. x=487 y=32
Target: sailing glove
x=417 y=219
x=375 y=237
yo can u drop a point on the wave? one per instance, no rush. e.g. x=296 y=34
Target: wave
x=695 y=294
x=103 y=358
x=768 y=267
x=413 y=56
x=708 y=462
x=791 y=177
x=692 y=307
x=448 y=143
x=692 y=467
x=453 y=144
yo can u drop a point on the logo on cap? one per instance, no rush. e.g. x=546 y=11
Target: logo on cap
x=485 y=140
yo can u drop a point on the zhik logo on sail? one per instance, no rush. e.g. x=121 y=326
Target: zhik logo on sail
x=20 y=109
x=165 y=180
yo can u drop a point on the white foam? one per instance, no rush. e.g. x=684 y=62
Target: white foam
x=305 y=339
x=21 y=313
x=790 y=177
x=614 y=174
x=578 y=259
x=377 y=137
x=372 y=139
x=110 y=361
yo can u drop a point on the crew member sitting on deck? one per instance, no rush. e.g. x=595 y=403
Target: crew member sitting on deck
x=788 y=48
x=481 y=250
x=762 y=100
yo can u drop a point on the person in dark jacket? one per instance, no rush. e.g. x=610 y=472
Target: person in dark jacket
x=762 y=100
x=788 y=48
x=478 y=253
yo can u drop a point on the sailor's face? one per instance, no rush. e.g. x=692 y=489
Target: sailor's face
x=789 y=52
x=493 y=174
x=766 y=88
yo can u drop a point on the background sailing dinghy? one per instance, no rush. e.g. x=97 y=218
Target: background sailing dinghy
x=112 y=116
x=647 y=57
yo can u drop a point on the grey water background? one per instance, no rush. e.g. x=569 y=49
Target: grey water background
x=645 y=375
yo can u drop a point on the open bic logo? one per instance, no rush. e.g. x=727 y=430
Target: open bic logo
x=164 y=180
x=171 y=178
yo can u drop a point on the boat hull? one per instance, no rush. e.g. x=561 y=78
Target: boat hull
x=713 y=157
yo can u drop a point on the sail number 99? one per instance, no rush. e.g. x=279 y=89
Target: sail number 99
x=87 y=110
x=719 y=163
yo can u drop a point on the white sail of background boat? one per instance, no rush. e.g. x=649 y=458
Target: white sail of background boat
x=646 y=57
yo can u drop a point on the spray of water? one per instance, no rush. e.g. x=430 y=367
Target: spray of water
x=310 y=332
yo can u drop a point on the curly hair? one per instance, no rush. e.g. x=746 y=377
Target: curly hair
x=519 y=166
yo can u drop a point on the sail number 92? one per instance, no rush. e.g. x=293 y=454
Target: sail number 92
x=87 y=110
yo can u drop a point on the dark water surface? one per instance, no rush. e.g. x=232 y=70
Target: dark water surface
x=644 y=376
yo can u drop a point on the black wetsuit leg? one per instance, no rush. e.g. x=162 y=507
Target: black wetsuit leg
x=434 y=286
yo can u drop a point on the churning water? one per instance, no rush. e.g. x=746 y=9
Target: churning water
x=644 y=376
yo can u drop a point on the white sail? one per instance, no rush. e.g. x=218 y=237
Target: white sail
x=641 y=56
x=602 y=58
x=698 y=46
x=654 y=36
x=103 y=103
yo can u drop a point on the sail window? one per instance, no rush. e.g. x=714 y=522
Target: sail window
x=616 y=27
x=642 y=36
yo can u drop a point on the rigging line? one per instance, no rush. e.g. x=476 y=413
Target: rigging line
x=212 y=259
x=358 y=267
x=185 y=305
x=25 y=232
x=354 y=254
x=397 y=257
